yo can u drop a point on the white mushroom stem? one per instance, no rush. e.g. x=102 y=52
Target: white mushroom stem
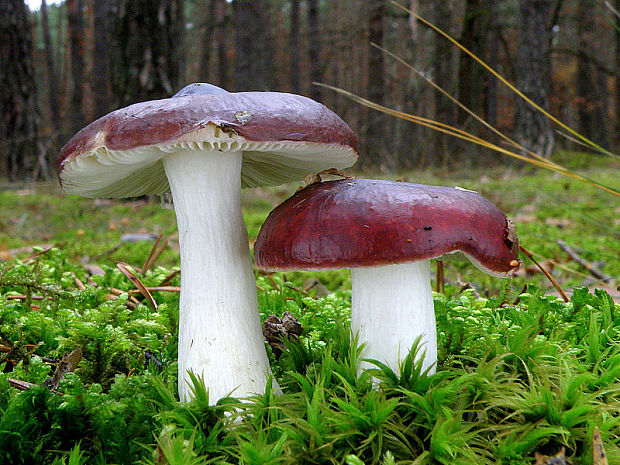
x=220 y=335
x=391 y=306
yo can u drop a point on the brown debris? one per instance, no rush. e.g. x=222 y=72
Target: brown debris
x=276 y=330
x=68 y=364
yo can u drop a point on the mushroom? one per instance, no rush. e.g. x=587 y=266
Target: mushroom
x=204 y=145
x=386 y=232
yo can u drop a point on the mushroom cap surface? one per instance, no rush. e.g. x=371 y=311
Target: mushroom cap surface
x=354 y=223
x=283 y=137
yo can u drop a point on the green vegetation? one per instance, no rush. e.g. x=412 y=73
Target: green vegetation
x=518 y=373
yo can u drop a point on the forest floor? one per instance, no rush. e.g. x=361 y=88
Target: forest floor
x=520 y=372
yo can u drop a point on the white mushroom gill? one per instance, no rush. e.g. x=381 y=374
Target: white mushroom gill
x=391 y=306
x=220 y=336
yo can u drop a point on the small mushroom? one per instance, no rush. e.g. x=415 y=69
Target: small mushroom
x=203 y=145
x=386 y=233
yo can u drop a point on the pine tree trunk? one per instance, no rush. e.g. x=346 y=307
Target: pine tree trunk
x=253 y=52
x=533 y=129
x=374 y=137
x=208 y=25
x=222 y=44
x=294 y=46
x=20 y=153
x=314 y=49
x=75 y=23
x=590 y=95
x=148 y=40
x=101 y=57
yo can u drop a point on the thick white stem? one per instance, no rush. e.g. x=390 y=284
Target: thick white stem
x=220 y=336
x=391 y=306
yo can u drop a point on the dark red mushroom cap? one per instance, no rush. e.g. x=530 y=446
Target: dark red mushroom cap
x=283 y=137
x=359 y=223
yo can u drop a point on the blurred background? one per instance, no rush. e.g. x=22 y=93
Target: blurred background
x=66 y=63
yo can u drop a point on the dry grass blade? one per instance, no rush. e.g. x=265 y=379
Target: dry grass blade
x=505 y=81
x=123 y=268
x=154 y=254
x=464 y=135
x=168 y=279
x=529 y=255
x=598 y=449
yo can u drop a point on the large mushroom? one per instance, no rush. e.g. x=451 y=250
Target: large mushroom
x=204 y=145
x=386 y=232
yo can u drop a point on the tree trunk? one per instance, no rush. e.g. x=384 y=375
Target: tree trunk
x=52 y=76
x=532 y=128
x=617 y=65
x=222 y=44
x=374 y=137
x=591 y=96
x=101 y=58
x=20 y=153
x=75 y=24
x=208 y=26
x=314 y=48
x=294 y=46
x=150 y=52
x=493 y=60
x=253 y=52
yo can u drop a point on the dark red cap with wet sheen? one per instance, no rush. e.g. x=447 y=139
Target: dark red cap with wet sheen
x=359 y=223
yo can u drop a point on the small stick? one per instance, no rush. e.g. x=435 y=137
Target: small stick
x=594 y=271
x=158 y=289
x=169 y=278
x=529 y=255
x=79 y=284
x=440 y=281
x=123 y=267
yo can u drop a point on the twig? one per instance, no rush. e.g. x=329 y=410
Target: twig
x=594 y=271
x=168 y=279
x=123 y=267
x=158 y=289
x=529 y=255
x=439 y=279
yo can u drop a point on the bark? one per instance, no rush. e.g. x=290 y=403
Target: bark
x=617 y=65
x=493 y=60
x=101 y=58
x=294 y=46
x=253 y=53
x=470 y=75
x=222 y=44
x=52 y=76
x=208 y=26
x=591 y=96
x=532 y=128
x=20 y=154
x=149 y=49
x=374 y=141
x=316 y=74
x=75 y=24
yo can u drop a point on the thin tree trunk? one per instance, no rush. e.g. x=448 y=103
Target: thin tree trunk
x=493 y=60
x=591 y=96
x=253 y=48
x=149 y=49
x=374 y=135
x=533 y=129
x=75 y=24
x=208 y=25
x=222 y=44
x=20 y=152
x=294 y=46
x=52 y=76
x=101 y=57
x=314 y=47
x=617 y=64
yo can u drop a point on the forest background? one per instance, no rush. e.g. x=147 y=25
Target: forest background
x=67 y=63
